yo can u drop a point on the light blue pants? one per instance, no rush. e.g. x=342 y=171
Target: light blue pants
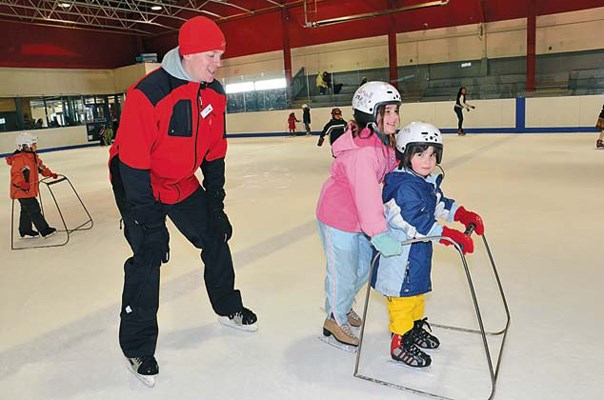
x=348 y=257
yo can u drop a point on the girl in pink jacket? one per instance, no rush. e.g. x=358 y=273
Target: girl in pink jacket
x=350 y=211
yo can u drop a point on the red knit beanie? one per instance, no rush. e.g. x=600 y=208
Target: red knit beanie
x=200 y=34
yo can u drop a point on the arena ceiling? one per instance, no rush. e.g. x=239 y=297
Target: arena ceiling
x=147 y=17
x=156 y=17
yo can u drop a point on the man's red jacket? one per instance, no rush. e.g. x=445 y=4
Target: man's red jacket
x=168 y=127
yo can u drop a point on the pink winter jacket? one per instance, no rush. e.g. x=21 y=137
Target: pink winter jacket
x=351 y=199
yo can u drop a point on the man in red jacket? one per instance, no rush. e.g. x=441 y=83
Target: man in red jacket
x=173 y=123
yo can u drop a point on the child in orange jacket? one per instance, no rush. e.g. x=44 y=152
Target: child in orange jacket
x=25 y=167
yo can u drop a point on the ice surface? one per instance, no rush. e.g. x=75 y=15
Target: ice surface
x=541 y=199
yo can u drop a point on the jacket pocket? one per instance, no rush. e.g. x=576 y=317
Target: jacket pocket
x=181 y=121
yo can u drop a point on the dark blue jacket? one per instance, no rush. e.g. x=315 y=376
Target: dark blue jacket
x=412 y=204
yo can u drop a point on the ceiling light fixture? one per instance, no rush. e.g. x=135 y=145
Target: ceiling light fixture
x=64 y=5
x=156 y=7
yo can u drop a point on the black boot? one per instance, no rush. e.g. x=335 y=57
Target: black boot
x=29 y=233
x=48 y=231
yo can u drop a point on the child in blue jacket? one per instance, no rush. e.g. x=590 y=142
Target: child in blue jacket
x=413 y=200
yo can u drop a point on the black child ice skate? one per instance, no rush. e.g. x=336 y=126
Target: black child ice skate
x=144 y=368
x=599 y=144
x=402 y=349
x=48 y=231
x=422 y=337
x=29 y=234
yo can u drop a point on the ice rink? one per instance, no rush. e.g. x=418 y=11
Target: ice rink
x=541 y=199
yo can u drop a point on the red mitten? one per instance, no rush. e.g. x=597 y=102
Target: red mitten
x=465 y=241
x=53 y=175
x=468 y=217
x=25 y=186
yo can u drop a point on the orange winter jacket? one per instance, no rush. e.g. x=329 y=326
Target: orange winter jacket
x=25 y=166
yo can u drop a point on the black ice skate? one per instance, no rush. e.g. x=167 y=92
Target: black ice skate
x=144 y=368
x=422 y=337
x=402 y=349
x=599 y=144
x=48 y=231
x=244 y=320
x=29 y=234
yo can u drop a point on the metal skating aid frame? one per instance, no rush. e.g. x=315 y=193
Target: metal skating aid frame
x=88 y=224
x=493 y=367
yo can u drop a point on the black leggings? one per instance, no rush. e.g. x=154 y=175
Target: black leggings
x=459 y=113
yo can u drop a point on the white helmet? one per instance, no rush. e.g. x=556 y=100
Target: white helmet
x=369 y=97
x=304 y=105
x=422 y=133
x=25 y=138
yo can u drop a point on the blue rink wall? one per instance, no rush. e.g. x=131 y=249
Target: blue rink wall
x=562 y=114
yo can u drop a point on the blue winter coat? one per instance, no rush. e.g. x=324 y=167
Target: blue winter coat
x=412 y=204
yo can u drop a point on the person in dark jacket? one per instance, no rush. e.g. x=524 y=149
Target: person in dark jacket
x=306 y=118
x=335 y=127
x=173 y=123
x=413 y=200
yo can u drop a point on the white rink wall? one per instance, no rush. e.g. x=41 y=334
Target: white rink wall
x=542 y=115
x=53 y=138
x=568 y=113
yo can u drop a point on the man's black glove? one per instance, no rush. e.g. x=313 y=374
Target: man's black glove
x=221 y=224
x=156 y=243
x=218 y=218
x=213 y=182
x=155 y=237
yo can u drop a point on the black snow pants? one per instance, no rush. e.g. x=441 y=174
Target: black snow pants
x=31 y=212
x=140 y=297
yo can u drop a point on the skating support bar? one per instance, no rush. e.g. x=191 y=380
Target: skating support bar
x=493 y=368
x=54 y=181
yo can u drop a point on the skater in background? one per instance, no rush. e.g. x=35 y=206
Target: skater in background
x=350 y=212
x=178 y=107
x=600 y=126
x=413 y=201
x=291 y=124
x=336 y=127
x=306 y=118
x=26 y=166
x=460 y=105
